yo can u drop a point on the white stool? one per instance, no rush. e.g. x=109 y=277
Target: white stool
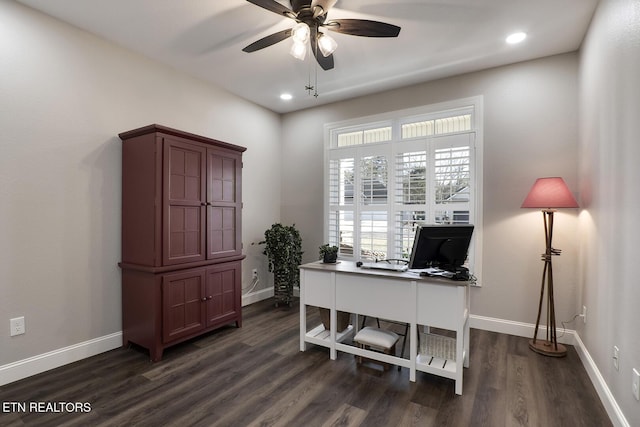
x=376 y=339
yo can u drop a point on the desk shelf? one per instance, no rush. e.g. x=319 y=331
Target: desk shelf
x=447 y=368
x=438 y=355
x=321 y=336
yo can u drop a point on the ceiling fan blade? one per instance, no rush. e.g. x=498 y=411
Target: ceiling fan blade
x=275 y=7
x=268 y=41
x=326 y=62
x=362 y=27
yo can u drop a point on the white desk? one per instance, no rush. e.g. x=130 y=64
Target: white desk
x=404 y=297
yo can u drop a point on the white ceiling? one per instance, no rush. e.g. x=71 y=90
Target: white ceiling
x=439 y=38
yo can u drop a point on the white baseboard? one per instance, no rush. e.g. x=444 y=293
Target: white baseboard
x=256 y=296
x=518 y=329
x=569 y=337
x=615 y=413
x=35 y=365
x=263 y=294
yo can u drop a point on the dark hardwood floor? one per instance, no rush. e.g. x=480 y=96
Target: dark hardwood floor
x=256 y=376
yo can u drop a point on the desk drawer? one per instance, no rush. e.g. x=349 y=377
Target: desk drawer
x=442 y=306
x=318 y=287
x=373 y=296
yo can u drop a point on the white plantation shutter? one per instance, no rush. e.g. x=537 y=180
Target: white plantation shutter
x=373 y=180
x=422 y=128
x=342 y=175
x=341 y=231
x=341 y=181
x=411 y=181
x=373 y=234
x=452 y=178
x=404 y=228
x=368 y=136
x=411 y=178
x=386 y=178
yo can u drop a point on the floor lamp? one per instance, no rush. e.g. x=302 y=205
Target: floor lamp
x=548 y=194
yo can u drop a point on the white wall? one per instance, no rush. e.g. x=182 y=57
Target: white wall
x=609 y=182
x=530 y=131
x=64 y=97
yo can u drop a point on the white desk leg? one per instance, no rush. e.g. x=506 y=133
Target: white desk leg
x=466 y=344
x=333 y=353
x=303 y=315
x=460 y=343
x=459 y=356
x=413 y=348
x=467 y=327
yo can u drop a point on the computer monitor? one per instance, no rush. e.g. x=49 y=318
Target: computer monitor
x=441 y=246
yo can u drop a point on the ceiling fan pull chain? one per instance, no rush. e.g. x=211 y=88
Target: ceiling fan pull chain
x=309 y=87
x=316 y=85
x=316 y=66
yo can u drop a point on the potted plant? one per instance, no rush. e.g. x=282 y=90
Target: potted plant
x=328 y=254
x=283 y=248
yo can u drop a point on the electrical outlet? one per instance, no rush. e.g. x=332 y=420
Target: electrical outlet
x=254 y=273
x=584 y=314
x=16 y=325
x=616 y=356
x=635 y=384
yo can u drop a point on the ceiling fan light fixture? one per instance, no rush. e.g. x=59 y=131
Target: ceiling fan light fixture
x=326 y=44
x=298 y=50
x=318 y=11
x=301 y=32
x=321 y=7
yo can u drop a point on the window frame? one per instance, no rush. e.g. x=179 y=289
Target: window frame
x=396 y=119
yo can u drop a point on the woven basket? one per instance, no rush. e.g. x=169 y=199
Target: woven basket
x=438 y=346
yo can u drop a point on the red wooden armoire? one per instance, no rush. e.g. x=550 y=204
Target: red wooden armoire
x=181 y=236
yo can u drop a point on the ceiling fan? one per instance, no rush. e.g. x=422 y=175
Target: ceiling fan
x=311 y=17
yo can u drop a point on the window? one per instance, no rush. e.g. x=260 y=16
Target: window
x=388 y=174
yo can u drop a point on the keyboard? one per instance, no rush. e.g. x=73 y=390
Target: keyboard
x=384 y=266
x=436 y=272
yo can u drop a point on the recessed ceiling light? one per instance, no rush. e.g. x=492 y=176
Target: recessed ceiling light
x=286 y=96
x=516 y=38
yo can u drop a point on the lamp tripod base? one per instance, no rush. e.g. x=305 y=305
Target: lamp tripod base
x=547 y=348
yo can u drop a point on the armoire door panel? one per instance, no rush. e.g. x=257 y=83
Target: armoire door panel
x=185 y=236
x=224 y=203
x=222 y=239
x=183 y=308
x=186 y=175
x=223 y=291
x=222 y=177
x=184 y=203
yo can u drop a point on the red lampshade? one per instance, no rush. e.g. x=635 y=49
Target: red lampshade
x=549 y=193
